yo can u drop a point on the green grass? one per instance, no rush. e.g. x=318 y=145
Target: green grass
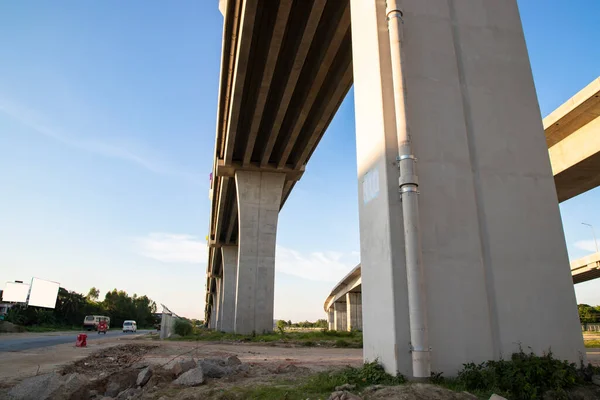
x=592 y=343
x=323 y=338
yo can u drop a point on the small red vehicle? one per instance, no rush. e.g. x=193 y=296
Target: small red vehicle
x=102 y=327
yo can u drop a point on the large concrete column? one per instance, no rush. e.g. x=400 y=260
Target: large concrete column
x=220 y=304
x=354 y=311
x=213 y=314
x=229 y=257
x=259 y=199
x=330 y=319
x=495 y=262
x=340 y=319
x=217 y=300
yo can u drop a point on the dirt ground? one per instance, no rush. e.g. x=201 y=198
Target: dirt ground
x=267 y=362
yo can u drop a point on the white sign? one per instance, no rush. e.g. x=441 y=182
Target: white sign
x=15 y=292
x=43 y=293
x=371 y=185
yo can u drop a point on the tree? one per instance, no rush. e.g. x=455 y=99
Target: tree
x=93 y=294
x=588 y=314
x=281 y=325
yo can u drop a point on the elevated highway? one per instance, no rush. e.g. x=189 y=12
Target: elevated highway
x=454 y=80
x=286 y=67
x=573 y=138
x=344 y=304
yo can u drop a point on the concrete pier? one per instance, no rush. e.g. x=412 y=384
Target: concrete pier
x=259 y=199
x=220 y=304
x=494 y=256
x=229 y=257
x=212 y=324
x=340 y=316
x=354 y=311
x=331 y=319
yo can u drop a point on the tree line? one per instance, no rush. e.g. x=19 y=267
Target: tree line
x=589 y=314
x=72 y=307
x=320 y=323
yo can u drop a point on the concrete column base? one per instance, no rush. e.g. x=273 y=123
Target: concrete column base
x=259 y=199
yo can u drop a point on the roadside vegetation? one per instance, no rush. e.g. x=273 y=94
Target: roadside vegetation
x=591 y=343
x=72 y=307
x=525 y=376
x=319 y=385
x=309 y=338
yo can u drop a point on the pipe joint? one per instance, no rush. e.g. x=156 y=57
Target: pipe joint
x=408 y=181
x=409 y=188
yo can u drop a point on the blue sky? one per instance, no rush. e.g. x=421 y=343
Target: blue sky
x=107 y=126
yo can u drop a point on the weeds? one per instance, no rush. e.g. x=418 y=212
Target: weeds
x=323 y=338
x=525 y=376
x=318 y=386
x=592 y=343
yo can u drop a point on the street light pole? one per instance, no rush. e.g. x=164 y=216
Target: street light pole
x=593 y=234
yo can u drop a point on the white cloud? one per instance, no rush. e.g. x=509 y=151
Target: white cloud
x=326 y=266
x=172 y=248
x=587 y=245
x=122 y=151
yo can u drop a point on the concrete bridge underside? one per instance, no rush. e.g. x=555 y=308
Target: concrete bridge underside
x=487 y=189
x=286 y=67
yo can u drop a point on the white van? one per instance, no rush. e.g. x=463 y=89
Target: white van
x=129 y=326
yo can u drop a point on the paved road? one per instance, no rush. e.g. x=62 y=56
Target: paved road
x=43 y=340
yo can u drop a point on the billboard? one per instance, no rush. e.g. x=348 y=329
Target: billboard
x=15 y=292
x=43 y=293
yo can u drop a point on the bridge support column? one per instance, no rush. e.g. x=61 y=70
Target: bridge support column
x=340 y=319
x=330 y=319
x=259 y=200
x=219 y=303
x=493 y=251
x=354 y=311
x=213 y=314
x=229 y=257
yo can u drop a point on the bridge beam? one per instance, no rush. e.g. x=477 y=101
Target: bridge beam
x=259 y=199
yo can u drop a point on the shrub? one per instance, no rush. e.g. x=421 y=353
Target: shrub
x=370 y=374
x=183 y=327
x=525 y=376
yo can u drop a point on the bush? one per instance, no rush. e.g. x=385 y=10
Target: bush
x=183 y=327
x=370 y=374
x=523 y=377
